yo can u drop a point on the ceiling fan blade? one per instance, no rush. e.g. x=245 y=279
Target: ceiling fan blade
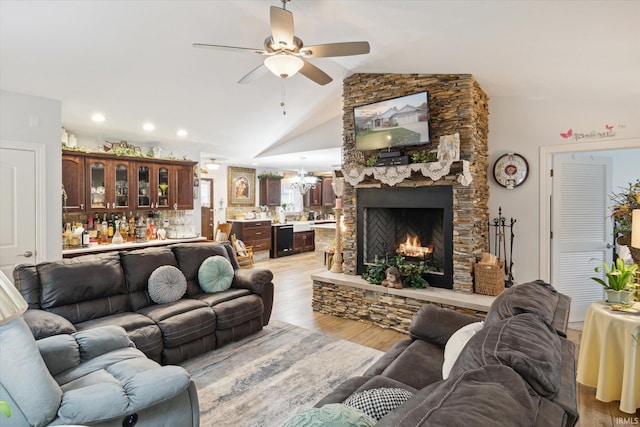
x=254 y=74
x=234 y=48
x=335 y=49
x=282 y=28
x=314 y=73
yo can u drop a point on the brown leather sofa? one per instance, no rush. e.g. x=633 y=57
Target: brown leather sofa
x=86 y=292
x=517 y=370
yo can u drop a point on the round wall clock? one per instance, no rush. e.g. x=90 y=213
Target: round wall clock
x=510 y=170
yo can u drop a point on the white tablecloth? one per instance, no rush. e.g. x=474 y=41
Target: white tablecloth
x=609 y=357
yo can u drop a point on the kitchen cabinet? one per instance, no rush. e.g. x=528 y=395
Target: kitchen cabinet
x=73 y=183
x=304 y=241
x=108 y=184
x=328 y=196
x=153 y=185
x=183 y=196
x=253 y=233
x=164 y=186
x=313 y=197
x=270 y=191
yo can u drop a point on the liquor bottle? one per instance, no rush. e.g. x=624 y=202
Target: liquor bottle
x=105 y=230
x=148 y=229
x=110 y=229
x=132 y=225
x=90 y=222
x=154 y=232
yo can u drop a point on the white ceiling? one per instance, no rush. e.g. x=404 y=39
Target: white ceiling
x=133 y=61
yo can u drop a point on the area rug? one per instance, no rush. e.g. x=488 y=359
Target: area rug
x=268 y=377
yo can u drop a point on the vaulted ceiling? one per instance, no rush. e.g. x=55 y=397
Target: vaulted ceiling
x=134 y=62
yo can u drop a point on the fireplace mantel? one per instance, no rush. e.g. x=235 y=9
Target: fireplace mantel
x=393 y=175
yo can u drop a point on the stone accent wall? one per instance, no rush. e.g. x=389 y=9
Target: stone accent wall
x=387 y=311
x=456 y=104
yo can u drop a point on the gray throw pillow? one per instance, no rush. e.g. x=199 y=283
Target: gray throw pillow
x=167 y=284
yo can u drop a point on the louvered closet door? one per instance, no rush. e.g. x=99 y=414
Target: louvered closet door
x=581 y=227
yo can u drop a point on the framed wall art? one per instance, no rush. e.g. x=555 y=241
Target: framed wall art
x=241 y=184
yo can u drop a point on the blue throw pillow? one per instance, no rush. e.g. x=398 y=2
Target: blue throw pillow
x=331 y=415
x=215 y=274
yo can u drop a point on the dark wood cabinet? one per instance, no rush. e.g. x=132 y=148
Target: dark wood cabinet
x=73 y=183
x=183 y=194
x=304 y=241
x=106 y=182
x=109 y=184
x=313 y=197
x=253 y=233
x=270 y=191
x=328 y=196
x=154 y=186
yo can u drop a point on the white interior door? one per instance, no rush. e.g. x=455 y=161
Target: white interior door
x=17 y=208
x=581 y=228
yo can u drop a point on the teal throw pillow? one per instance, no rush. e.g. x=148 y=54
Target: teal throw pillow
x=331 y=415
x=215 y=274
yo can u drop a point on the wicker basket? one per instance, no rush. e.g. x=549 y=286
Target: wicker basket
x=489 y=278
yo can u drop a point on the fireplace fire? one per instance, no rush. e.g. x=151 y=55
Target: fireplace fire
x=414 y=249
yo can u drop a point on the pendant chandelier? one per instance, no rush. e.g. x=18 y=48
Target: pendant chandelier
x=303 y=182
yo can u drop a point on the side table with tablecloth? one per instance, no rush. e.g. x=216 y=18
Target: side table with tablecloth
x=609 y=357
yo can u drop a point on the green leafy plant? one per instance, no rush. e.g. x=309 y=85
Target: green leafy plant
x=411 y=273
x=272 y=175
x=619 y=275
x=424 y=157
x=377 y=272
x=5 y=409
x=624 y=203
x=371 y=161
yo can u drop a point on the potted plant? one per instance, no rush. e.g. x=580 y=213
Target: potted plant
x=624 y=203
x=619 y=276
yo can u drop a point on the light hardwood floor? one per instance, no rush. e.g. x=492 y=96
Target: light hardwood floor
x=292 y=304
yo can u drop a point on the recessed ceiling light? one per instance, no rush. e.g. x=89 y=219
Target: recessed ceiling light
x=182 y=132
x=98 y=117
x=254 y=164
x=148 y=126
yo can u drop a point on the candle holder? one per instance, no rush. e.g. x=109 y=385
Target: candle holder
x=336 y=267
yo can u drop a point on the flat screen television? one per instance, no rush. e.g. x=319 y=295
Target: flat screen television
x=394 y=122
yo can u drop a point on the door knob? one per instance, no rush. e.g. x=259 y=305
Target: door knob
x=609 y=246
x=26 y=254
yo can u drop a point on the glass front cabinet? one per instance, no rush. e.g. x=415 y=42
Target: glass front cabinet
x=109 y=184
x=104 y=182
x=154 y=186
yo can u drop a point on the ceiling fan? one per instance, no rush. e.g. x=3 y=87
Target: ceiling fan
x=286 y=54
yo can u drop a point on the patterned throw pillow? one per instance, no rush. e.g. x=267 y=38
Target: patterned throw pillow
x=215 y=274
x=166 y=284
x=377 y=402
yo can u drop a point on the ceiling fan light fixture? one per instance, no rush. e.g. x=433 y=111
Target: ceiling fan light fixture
x=283 y=65
x=212 y=165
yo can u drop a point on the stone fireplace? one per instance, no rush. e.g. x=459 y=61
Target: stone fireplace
x=457 y=104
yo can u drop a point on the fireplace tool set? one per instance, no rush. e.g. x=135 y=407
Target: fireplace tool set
x=498 y=229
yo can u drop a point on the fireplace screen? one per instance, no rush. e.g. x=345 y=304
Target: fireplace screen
x=415 y=222
x=416 y=234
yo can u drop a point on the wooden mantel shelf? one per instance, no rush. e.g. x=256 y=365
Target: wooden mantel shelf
x=394 y=175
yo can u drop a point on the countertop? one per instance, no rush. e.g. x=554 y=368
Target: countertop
x=129 y=245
